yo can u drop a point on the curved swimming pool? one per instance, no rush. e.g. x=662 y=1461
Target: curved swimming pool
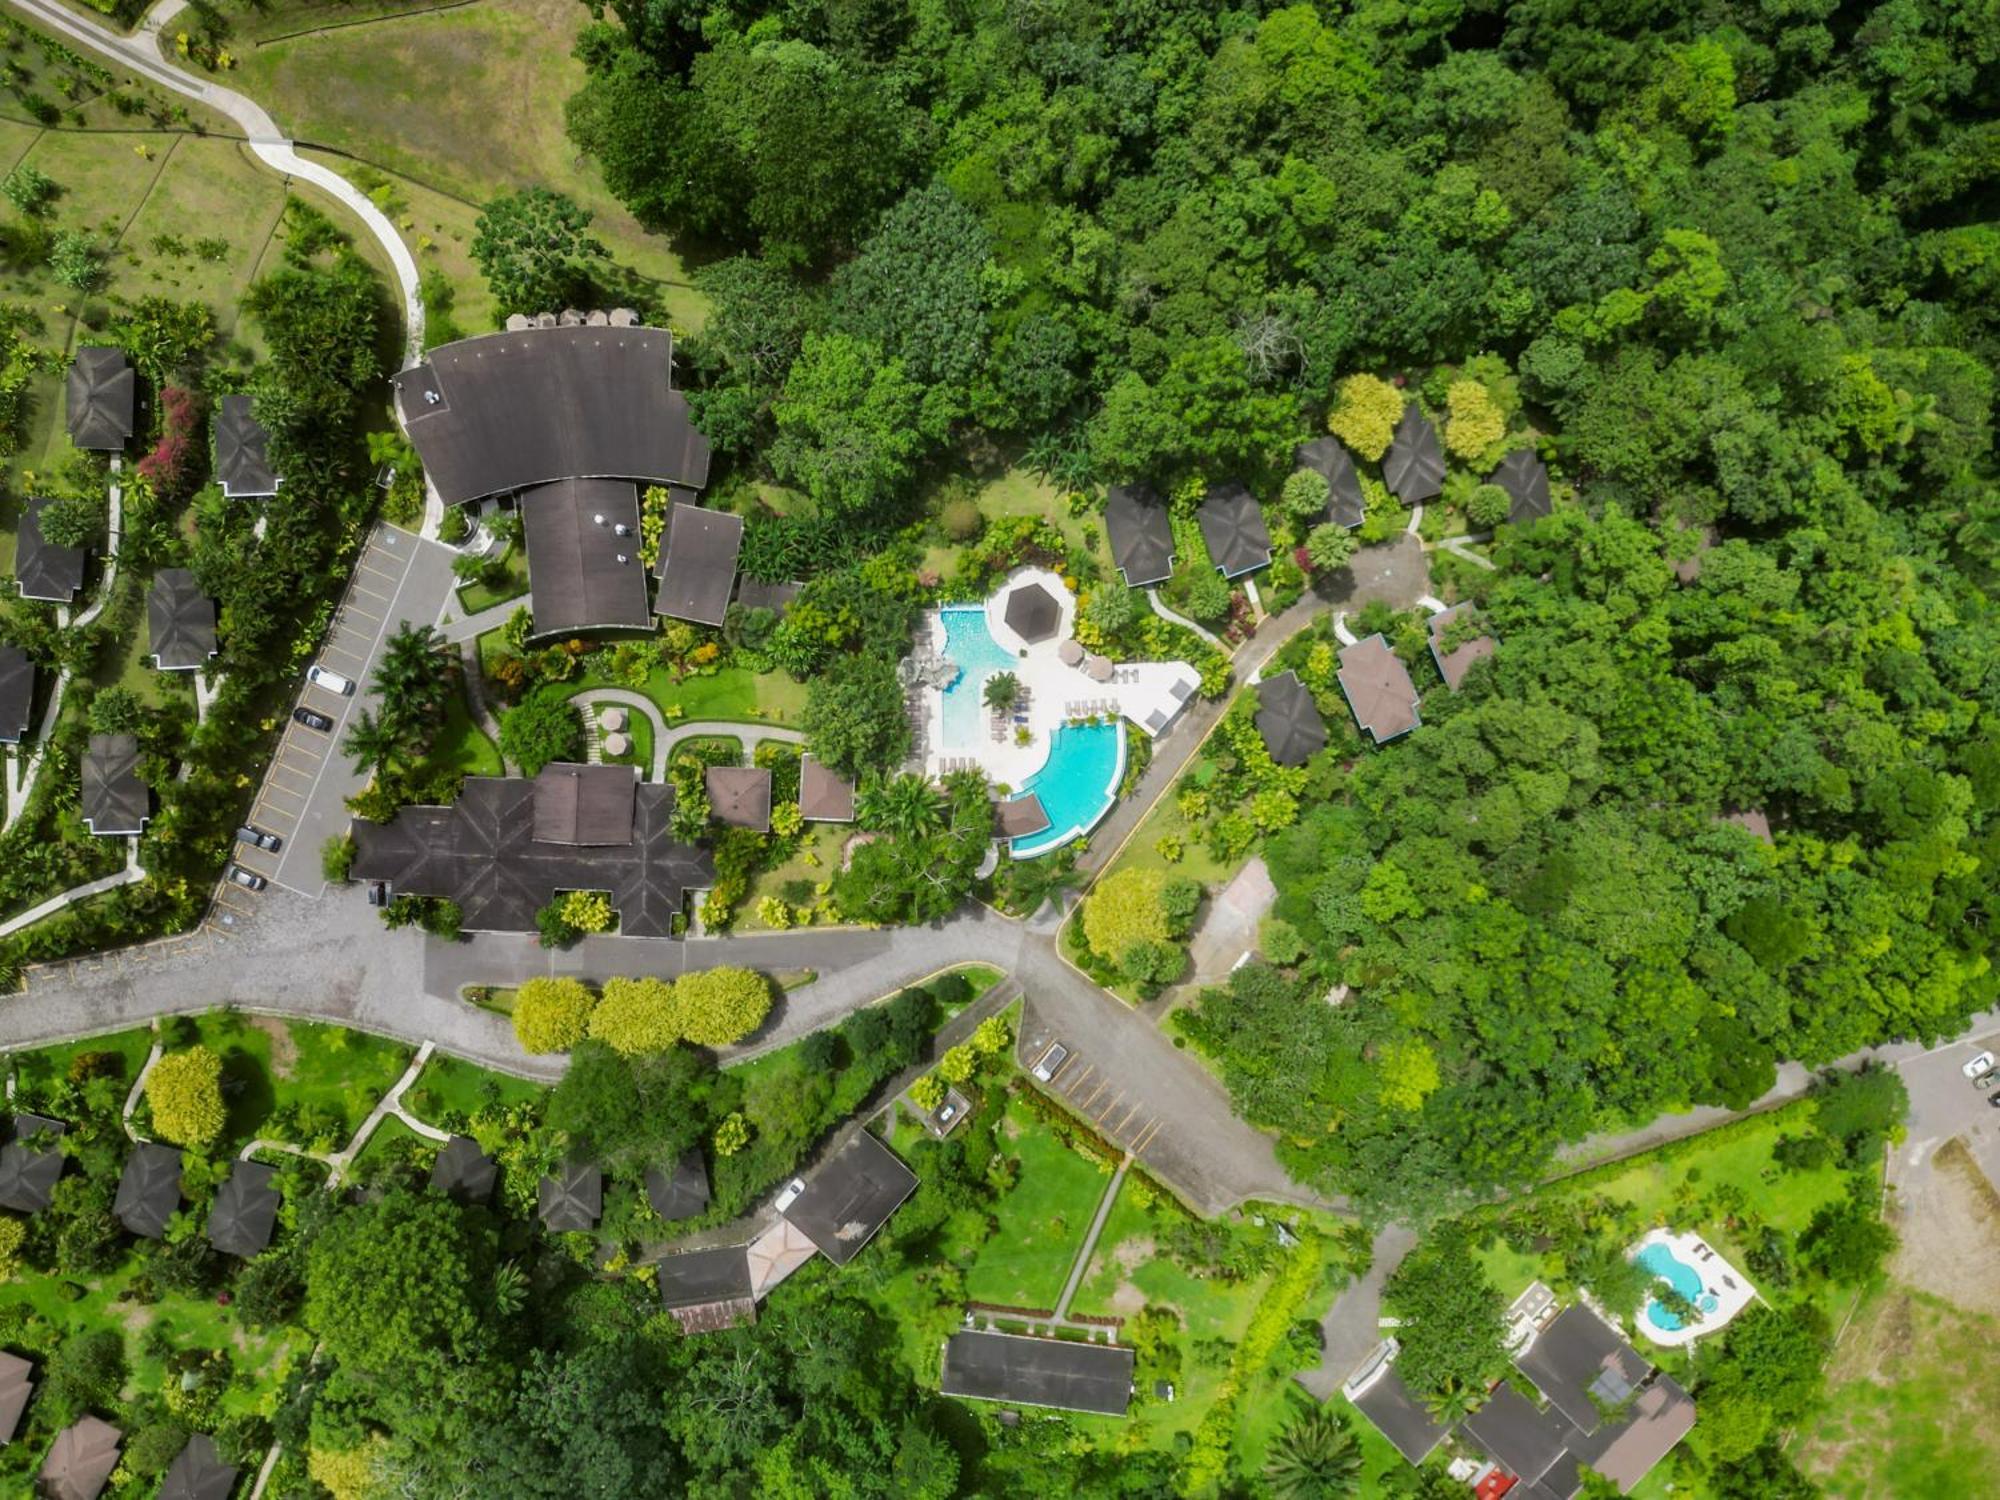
x=1077 y=784
x=1679 y=1275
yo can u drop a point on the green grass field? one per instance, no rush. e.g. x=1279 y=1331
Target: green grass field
x=475 y=597
x=448 y=1085
x=269 y=1065
x=1042 y=1222
x=463 y=745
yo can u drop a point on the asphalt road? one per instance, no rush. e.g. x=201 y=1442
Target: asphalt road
x=399 y=579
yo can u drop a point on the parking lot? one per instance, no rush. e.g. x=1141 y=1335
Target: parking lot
x=399 y=579
x=1092 y=1091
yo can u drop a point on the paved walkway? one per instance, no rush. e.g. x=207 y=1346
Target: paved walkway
x=130 y=875
x=472 y=627
x=141 y=53
x=1160 y=608
x=1082 y=1261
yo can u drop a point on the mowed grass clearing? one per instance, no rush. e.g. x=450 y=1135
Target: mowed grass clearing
x=1042 y=1221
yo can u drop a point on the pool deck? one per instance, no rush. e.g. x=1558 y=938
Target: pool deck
x=1730 y=1288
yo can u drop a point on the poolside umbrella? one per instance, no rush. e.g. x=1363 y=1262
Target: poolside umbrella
x=1032 y=613
x=1098 y=668
x=1069 y=653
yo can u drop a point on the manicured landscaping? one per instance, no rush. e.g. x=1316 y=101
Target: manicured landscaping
x=1042 y=1220
x=462 y=745
x=478 y=596
x=449 y=1086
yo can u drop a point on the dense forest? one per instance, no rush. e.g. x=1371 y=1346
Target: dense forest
x=1731 y=268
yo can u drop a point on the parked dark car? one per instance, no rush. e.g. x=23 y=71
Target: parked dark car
x=256 y=838
x=312 y=720
x=250 y=880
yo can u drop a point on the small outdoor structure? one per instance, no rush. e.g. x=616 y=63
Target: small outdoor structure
x=572 y=1199
x=681 y=1193
x=776 y=597
x=1061 y=1374
x=1378 y=689
x=1452 y=665
x=1289 y=720
x=463 y=1171
x=149 y=1189
x=948 y=1116
x=246 y=1210
x=16 y=1386
x=611 y=719
x=1098 y=668
x=824 y=797
x=740 y=796
x=101 y=392
x=617 y=743
x=852 y=1196
x=775 y=1254
x=1232 y=526
x=180 y=621
x=582 y=537
x=1141 y=533
x=199 y=1473
x=708 y=1290
x=116 y=803
x=1018 y=817
x=30 y=1164
x=1525 y=478
x=698 y=564
x=1328 y=457
x=1414 y=466
x=1070 y=653
x=43 y=569
x=243 y=452
x=17 y=694
x=80 y=1461
x=1032 y=612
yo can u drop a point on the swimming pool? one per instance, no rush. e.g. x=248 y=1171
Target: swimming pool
x=970 y=645
x=1678 y=1274
x=1077 y=784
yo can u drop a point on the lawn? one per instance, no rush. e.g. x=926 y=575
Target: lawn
x=1041 y=1222
x=815 y=860
x=463 y=745
x=733 y=695
x=326 y=1075
x=475 y=597
x=45 y=1064
x=449 y=1086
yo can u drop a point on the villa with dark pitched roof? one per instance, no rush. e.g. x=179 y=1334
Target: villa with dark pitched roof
x=824 y=797
x=1378 y=689
x=681 y=1193
x=463 y=1171
x=1452 y=665
x=1414 y=466
x=1232 y=526
x=31 y=1164
x=571 y=1199
x=852 y=1196
x=1328 y=457
x=708 y=1290
x=1060 y=1374
x=245 y=1210
x=1141 y=533
x=149 y=1189
x=242 y=452
x=1289 y=720
x=698 y=564
x=116 y=803
x=582 y=539
x=44 y=569
x=17 y=694
x=102 y=392
x=180 y=621
x=740 y=796
x=1525 y=478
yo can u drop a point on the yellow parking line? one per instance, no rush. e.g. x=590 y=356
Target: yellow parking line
x=284 y=791
x=1131 y=1111
x=361 y=588
x=1078 y=1080
x=1117 y=1099
x=1102 y=1085
x=1145 y=1137
x=1068 y=1064
x=364 y=567
x=350 y=609
x=279 y=765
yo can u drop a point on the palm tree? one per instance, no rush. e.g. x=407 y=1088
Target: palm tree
x=1029 y=884
x=1003 y=691
x=906 y=806
x=414 y=674
x=1314 y=1458
x=372 y=741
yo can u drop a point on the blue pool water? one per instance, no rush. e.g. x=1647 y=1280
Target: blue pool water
x=970 y=644
x=1077 y=784
x=1678 y=1274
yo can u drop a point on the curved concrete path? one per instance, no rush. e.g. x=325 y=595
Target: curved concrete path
x=746 y=733
x=141 y=53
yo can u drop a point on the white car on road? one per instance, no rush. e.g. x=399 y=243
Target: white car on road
x=1983 y=1063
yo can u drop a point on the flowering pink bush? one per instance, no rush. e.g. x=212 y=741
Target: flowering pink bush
x=170 y=466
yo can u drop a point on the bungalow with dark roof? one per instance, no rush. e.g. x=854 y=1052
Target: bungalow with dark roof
x=43 y=569
x=31 y=1164
x=1289 y=720
x=1453 y=664
x=584 y=572
x=116 y=803
x=698 y=564
x=1059 y=1374
x=199 y=1473
x=1378 y=689
x=1142 y=534
x=245 y=1211
x=80 y=1461
x=681 y=1193
x=1019 y=817
x=708 y=1290
x=1232 y=526
x=852 y=1196
x=463 y=1171
x=740 y=796
x=102 y=392
x=1525 y=478
x=776 y=597
x=16 y=1386
x=17 y=694
x=180 y=621
x=824 y=797
x=149 y=1189
x=242 y=452
x=1414 y=466
x=572 y=1198
x=1328 y=457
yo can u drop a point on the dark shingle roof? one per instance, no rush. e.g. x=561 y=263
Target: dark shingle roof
x=1032 y=612
x=115 y=800
x=509 y=410
x=199 y=1473
x=149 y=1189
x=17 y=694
x=740 y=796
x=481 y=853
x=242 y=452
x=463 y=1171
x=80 y=1461
x=571 y=530
x=180 y=619
x=707 y=1290
x=572 y=1198
x=698 y=564
x=824 y=797
x=1454 y=664
x=1018 y=817
x=1378 y=689
x=851 y=1197
x=16 y=1386
x=776 y=597
x=1518 y=1436
x=1289 y=720
x=101 y=391
x=1059 y=1373
x=1141 y=532
x=1625 y=1449
x=1414 y=466
x=681 y=1193
x=1525 y=478
x=1328 y=457
x=1232 y=524
x=30 y=1164
x=1400 y=1417
x=42 y=569
x=1573 y=1354
x=246 y=1210
x=585 y=805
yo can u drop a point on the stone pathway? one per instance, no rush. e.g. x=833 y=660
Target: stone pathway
x=132 y=874
x=1159 y=606
x=1082 y=1263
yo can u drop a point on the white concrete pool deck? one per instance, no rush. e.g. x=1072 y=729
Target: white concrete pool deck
x=1147 y=694
x=1730 y=1288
